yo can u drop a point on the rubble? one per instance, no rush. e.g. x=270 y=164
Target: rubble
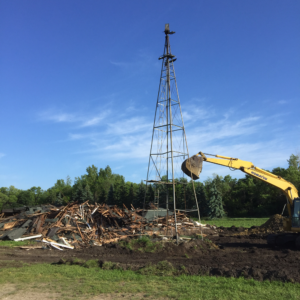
x=81 y=225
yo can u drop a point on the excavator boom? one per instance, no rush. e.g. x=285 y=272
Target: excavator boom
x=193 y=167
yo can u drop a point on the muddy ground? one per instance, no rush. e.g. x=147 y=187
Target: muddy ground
x=223 y=254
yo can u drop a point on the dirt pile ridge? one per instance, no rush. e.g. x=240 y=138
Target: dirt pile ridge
x=273 y=225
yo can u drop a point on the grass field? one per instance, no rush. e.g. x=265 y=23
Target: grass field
x=81 y=282
x=12 y=244
x=228 y=222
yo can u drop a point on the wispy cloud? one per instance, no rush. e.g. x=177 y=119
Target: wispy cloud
x=96 y=120
x=213 y=131
x=76 y=136
x=120 y=64
x=81 y=120
x=57 y=117
x=141 y=61
x=129 y=149
x=129 y=138
x=193 y=113
x=2 y=155
x=282 y=102
x=125 y=137
x=128 y=126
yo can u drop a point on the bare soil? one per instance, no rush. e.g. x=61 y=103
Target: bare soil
x=229 y=253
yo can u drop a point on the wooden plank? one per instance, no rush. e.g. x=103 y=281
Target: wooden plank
x=83 y=239
x=9 y=225
x=39 y=227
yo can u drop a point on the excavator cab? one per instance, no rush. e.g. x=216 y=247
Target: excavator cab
x=296 y=213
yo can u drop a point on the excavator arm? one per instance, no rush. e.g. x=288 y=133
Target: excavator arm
x=193 y=166
x=248 y=167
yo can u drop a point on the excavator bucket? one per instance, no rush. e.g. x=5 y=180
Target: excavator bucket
x=192 y=166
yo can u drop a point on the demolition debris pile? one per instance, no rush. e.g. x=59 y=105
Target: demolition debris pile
x=80 y=225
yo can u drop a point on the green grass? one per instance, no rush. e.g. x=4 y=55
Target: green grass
x=238 y=222
x=162 y=268
x=12 y=244
x=78 y=281
x=142 y=244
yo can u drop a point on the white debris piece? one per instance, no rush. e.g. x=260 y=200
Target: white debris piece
x=199 y=224
x=27 y=238
x=56 y=247
x=57 y=244
x=62 y=238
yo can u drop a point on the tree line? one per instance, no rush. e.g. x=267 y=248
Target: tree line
x=217 y=196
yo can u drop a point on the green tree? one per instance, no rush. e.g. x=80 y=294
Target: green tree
x=59 y=200
x=87 y=193
x=149 y=195
x=139 y=199
x=82 y=191
x=121 y=194
x=130 y=195
x=68 y=181
x=202 y=200
x=102 y=195
x=79 y=193
x=119 y=188
x=37 y=192
x=294 y=161
x=92 y=179
x=215 y=206
x=180 y=192
x=111 y=199
x=26 y=198
x=3 y=199
x=63 y=188
x=105 y=180
x=13 y=194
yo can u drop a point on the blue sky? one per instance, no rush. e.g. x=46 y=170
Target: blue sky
x=79 y=82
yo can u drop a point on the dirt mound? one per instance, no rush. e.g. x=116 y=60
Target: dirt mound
x=231 y=230
x=191 y=247
x=273 y=225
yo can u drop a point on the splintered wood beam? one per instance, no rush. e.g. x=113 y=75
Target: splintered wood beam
x=83 y=239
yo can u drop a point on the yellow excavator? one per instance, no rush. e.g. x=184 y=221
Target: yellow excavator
x=291 y=224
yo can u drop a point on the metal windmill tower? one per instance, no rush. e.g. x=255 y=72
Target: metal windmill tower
x=169 y=145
